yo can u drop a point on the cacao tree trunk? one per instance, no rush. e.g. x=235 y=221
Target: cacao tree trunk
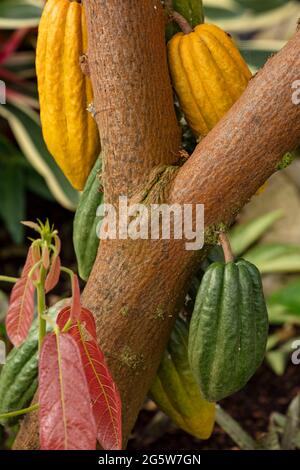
x=137 y=287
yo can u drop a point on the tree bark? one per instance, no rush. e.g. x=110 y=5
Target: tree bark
x=137 y=287
x=132 y=92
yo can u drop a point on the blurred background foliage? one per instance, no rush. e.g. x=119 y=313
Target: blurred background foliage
x=267 y=231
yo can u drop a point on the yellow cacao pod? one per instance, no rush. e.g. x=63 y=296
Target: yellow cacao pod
x=208 y=74
x=70 y=132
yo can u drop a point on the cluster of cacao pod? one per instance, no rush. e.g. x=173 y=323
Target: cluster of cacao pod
x=226 y=339
x=225 y=342
x=65 y=93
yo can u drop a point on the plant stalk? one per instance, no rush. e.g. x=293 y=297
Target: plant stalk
x=13 y=280
x=24 y=411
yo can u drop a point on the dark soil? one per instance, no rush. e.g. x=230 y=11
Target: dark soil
x=251 y=407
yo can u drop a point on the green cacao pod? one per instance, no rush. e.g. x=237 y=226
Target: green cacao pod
x=19 y=375
x=85 y=238
x=229 y=328
x=175 y=390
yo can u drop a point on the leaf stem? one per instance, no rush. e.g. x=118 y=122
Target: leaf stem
x=68 y=271
x=24 y=411
x=183 y=24
x=13 y=280
x=224 y=241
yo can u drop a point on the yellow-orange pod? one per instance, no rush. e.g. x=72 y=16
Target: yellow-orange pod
x=70 y=132
x=208 y=74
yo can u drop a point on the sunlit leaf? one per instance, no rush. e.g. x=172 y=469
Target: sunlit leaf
x=105 y=397
x=65 y=412
x=21 y=307
x=275 y=258
x=26 y=127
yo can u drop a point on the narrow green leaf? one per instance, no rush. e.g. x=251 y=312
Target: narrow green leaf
x=288 y=297
x=26 y=127
x=275 y=258
x=277 y=360
x=242 y=236
x=234 y=430
x=12 y=207
x=20 y=13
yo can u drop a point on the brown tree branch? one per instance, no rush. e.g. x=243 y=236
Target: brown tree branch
x=133 y=97
x=137 y=287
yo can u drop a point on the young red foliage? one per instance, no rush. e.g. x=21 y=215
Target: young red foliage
x=21 y=307
x=65 y=413
x=106 y=402
x=54 y=273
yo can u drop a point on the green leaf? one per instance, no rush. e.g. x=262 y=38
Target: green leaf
x=233 y=17
x=234 y=430
x=260 y=6
x=278 y=315
x=288 y=297
x=257 y=52
x=26 y=127
x=36 y=184
x=277 y=360
x=242 y=236
x=3 y=306
x=292 y=426
x=275 y=258
x=12 y=207
x=20 y=13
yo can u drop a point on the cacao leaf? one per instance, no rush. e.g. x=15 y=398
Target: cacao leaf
x=21 y=308
x=53 y=275
x=65 y=413
x=106 y=402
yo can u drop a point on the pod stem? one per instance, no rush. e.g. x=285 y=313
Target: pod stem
x=183 y=24
x=227 y=250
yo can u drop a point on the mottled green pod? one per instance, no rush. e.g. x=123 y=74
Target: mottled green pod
x=228 y=330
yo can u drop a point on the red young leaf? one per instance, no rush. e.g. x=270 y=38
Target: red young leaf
x=46 y=257
x=105 y=397
x=21 y=307
x=65 y=413
x=76 y=305
x=53 y=275
x=36 y=257
x=86 y=319
x=57 y=244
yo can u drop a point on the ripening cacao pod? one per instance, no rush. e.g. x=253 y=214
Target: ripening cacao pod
x=208 y=74
x=175 y=390
x=70 y=132
x=229 y=328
